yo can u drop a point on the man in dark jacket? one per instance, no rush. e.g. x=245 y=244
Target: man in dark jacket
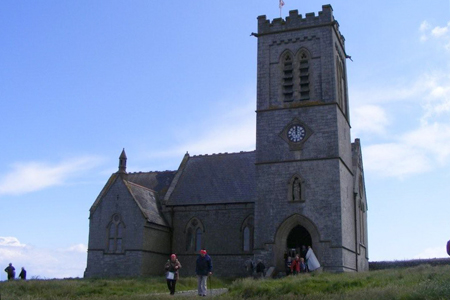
x=203 y=268
x=11 y=271
x=23 y=274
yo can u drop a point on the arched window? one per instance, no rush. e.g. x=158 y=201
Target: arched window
x=287 y=74
x=295 y=76
x=116 y=229
x=194 y=235
x=246 y=239
x=304 y=69
x=189 y=239
x=198 y=240
x=247 y=234
x=340 y=80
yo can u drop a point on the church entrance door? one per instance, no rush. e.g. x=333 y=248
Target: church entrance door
x=298 y=241
x=293 y=233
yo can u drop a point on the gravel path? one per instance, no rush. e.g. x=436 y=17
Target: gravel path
x=213 y=292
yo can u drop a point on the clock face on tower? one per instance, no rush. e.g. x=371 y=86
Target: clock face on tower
x=296 y=133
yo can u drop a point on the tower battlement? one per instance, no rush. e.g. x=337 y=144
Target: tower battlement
x=295 y=21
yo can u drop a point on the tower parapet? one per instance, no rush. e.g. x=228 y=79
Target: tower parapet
x=296 y=22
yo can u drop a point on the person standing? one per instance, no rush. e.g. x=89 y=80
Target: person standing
x=287 y=265
x=260 y=269
x=295 y=266
x=303 y=268
x=23 y=274
x=172 y=266
x=11 y=271
x=311 y=260
x=203 y=268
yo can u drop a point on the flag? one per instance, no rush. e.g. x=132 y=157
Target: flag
x=281 y=4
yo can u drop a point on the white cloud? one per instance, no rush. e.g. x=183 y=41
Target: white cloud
x=10 y=242
x=436 y=100
x=33 y=176
x=415 y=152
x=433 y=140
x=424 y=27
x=232 y=131
x=438 y=33
x=395 y=160
x=436 y=252
x=42 y=262
x=369 y=118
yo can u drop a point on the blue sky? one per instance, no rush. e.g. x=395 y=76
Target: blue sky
x=80 y=80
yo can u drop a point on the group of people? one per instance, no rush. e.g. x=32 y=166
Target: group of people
x=255 y=270
x=11 y=271
x=304 y=262
x=203 y=269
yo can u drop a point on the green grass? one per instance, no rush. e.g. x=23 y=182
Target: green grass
x=422 y=282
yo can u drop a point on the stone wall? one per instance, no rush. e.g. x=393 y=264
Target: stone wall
x=222 y=236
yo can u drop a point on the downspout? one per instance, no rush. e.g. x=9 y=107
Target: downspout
x=356 y=231
x=171 y=228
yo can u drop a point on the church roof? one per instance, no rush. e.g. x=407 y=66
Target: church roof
x=147 y=202
x=214 y=179
x=144 y=188
x=157 y=181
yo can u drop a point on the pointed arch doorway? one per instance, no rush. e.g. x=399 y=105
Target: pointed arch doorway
x=293 y=232
x=298 y=241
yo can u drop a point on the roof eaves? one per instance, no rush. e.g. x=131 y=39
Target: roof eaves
x=178 y=174
x=105 y=189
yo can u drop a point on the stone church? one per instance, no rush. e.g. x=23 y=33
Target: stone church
x=302 y=186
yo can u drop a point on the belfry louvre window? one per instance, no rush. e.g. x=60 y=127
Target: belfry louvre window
x=288 y=77
x=304 y=75
x=295 y=76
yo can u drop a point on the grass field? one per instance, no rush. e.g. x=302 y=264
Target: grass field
x=422 y=282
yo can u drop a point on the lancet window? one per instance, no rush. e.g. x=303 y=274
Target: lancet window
x=116 y=229
x=194 y=235
x=247 y=229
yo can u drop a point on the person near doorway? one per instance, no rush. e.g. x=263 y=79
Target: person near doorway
x=287 y=265
x=295 y=266
x=311 y=260
x=203 y=268
x=303 y=267
x=303 y=251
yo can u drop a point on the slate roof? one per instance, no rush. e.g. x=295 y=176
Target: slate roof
x=147 y=202
x=144 y=188
x=157 y=181
x=213 y=179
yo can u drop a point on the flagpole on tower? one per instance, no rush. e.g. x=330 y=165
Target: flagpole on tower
x=280 y=5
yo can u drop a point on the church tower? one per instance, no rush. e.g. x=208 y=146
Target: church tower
x=305 y=165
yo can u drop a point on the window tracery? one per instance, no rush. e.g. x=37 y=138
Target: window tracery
x=115 y=229
x=247 y=229
x=194 y=235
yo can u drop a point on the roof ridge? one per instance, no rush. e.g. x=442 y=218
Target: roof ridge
x=223 y=153
x=149 y=172
x=138 y=185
